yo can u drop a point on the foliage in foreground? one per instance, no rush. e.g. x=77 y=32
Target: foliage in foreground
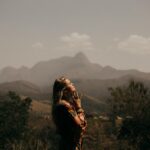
x=14 y=113
x=132 y=104
x=23 y=129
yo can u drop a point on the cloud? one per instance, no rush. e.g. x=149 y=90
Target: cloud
x=38 y=45
x=135 y=44
x=77 y=41
x=116 y=39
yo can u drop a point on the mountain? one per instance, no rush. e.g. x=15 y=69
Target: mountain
x=91 y=79
x=95 y=91
x=78 y=67
x=43 y=73
x=98 y=88
x=23 y=88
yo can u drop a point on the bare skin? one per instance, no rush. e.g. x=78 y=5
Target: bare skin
x=70 y=86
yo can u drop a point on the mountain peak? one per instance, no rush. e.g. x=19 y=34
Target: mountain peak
x=81 y=56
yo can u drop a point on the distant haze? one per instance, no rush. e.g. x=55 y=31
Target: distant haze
x=76 y=68
x=109 y=32
x=92 y=80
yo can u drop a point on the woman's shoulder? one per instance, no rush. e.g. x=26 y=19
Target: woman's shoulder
x=64 y=107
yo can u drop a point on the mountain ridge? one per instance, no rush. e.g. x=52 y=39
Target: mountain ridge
x=77 y=67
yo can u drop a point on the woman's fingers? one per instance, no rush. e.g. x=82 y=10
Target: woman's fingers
x=75 y=95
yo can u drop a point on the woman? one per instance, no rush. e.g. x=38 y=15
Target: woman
x=68 y=114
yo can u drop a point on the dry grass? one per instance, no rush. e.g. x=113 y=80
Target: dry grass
x=39 y=106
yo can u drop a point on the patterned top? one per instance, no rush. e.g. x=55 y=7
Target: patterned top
x=70 y=131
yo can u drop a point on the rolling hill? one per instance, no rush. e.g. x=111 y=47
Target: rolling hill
x=23 y=88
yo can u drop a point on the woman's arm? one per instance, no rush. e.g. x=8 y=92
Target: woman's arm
x=72 y=113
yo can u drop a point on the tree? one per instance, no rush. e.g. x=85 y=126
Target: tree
x=132 y=103
x=14 y=113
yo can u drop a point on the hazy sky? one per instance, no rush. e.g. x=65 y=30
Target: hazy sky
x=109 y=32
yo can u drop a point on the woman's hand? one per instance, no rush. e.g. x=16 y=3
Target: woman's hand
x=75 y=95
x=76 y=100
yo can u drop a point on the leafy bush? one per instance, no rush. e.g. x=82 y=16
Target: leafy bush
x=132 y=104
x=14 y=113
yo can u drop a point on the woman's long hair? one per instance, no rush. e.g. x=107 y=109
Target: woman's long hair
x=58 y=87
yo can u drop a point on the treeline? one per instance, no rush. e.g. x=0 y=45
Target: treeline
x=126 y=125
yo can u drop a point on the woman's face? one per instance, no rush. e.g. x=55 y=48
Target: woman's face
x=70 y=85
